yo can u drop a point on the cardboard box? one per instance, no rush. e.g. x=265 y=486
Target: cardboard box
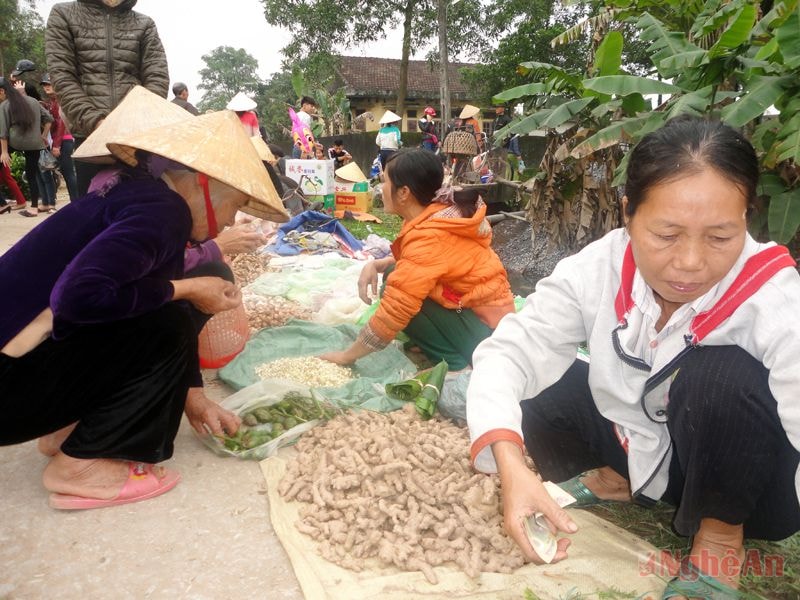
x=315 y=177
x=355 y=201
x=342 y=185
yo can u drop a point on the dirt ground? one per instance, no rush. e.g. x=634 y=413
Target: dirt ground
x=209 y=538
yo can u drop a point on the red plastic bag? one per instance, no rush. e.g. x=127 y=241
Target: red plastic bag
x=223 y=337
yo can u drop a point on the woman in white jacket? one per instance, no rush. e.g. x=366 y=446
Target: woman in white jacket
x=690 y=397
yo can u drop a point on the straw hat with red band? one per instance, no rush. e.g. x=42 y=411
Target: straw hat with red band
x=139 y=110
x=215 y=145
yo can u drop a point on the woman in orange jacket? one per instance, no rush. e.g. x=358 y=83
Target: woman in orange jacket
x=447 y=289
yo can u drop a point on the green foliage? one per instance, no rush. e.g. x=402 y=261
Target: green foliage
x=274 y=98
x=228 y=71
x=388 y=228
x=18 y=171
x=333 y=109
x=321 y=29
x=21 y=34
x=722 y=60
x=523 y=29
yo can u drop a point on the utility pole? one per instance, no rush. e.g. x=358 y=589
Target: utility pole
x=444 y=82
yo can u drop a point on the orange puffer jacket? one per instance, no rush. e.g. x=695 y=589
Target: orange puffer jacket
x=447 y=258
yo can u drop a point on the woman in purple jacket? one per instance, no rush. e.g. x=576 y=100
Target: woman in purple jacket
x=95 y=295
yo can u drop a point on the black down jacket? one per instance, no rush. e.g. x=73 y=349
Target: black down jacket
x=96 y=54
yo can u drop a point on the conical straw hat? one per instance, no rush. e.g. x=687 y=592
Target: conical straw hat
x=140 y=110
x=264 y=153
x=214 y=144
x=241 y=102
x=389 y=117
x=350 y=172
x=469 y=111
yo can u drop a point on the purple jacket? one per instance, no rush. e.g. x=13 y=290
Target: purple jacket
x=97 y=259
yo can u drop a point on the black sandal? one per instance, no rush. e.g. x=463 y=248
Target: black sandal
x=5 y=209
x=27 y=213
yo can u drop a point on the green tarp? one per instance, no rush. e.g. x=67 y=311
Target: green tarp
x=302 y=338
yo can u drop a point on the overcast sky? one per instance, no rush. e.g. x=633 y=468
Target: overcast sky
x=191 y=28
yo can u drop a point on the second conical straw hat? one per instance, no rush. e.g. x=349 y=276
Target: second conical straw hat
x=139 y=110
x=350 y=172
x=389 y=117
x=469 y=111
x=214 y=144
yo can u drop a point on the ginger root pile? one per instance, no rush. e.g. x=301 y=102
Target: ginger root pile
x=395 y=488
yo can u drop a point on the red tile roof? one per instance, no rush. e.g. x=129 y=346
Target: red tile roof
x=368 y=76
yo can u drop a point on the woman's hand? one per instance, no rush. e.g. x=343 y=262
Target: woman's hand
x=349 y=356
x=209 y=295
x=239 y=238
x=340 y=357
x=525 y=494
x=5 y=158
x=206 y=415
x=368 y=282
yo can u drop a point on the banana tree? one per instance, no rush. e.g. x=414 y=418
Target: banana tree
x=572 y=197
x=719 y=58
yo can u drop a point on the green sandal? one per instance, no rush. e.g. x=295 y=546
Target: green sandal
x=691 y=582
x=583 y=496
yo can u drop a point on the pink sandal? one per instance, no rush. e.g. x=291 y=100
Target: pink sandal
x=142 y=484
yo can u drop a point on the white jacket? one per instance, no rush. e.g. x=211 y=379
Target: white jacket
x=531 y=350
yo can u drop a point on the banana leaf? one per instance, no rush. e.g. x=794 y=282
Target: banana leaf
x=423 y=389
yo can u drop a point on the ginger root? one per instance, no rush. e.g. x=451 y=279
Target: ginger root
x=400 y=490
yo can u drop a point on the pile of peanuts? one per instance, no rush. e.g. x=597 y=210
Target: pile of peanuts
x=248 y=267
x=272 y=311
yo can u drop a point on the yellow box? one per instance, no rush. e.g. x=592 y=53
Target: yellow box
x=355 y=201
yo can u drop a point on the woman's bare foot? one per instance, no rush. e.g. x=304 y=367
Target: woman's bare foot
x=718 y=551
x=50 y=444
x=101 y=478
x=607 y=484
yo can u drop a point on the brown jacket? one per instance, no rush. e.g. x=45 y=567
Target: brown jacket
x=96 y=54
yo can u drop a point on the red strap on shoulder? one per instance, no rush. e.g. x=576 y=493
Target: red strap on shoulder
x=211 y=217
x=758 y=269
x=624 y=300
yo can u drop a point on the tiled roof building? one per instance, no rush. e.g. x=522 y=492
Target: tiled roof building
x=371 y=86
x=367 y=76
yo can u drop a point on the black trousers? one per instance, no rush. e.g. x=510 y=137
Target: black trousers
x=123 y=382
x=731 y=458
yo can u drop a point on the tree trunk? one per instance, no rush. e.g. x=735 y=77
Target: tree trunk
x=444 y=80
x=402 y=89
